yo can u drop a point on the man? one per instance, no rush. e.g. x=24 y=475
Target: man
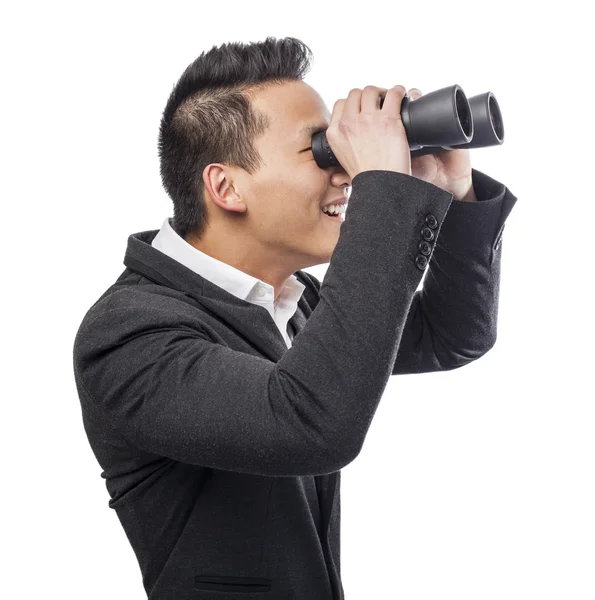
x=222 y=387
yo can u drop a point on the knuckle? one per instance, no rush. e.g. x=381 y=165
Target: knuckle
x=343 y=127
x=331 y=135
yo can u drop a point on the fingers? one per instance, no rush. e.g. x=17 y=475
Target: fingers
x=393 y=99
x=368 y=100
x=352 y=104
x=337 y=113
x=371 y=97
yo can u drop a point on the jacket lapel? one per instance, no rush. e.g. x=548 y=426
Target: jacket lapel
x=250 y=320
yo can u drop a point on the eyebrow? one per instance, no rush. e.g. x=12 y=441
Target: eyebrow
x=310 y=129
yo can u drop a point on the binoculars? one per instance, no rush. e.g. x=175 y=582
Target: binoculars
x=441 y=120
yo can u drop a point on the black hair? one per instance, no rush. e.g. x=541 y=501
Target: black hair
x=209 y=118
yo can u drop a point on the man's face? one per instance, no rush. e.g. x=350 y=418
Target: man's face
x=284 y=197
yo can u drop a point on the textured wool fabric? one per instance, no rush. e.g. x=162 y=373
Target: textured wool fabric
x=220 y=446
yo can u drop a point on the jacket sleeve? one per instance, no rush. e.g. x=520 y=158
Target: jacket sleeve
x=167 y=388
x=453 y=318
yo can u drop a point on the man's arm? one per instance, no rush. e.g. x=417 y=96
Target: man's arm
x=153 y=371
x=453 y=318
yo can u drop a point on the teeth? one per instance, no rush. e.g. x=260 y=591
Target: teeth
x=335 y=209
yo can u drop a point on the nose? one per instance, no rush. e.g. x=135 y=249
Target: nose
x=340 y=176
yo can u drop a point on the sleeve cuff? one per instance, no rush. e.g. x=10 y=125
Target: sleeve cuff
x=474 y=222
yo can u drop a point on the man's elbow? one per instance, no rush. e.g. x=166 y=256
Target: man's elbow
x=460 y=357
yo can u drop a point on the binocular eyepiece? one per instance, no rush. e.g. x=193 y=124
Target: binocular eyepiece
x=441 y=120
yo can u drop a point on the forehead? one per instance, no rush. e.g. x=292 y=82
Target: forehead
x=295 y=109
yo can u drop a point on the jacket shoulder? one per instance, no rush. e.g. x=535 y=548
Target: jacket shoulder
x=132 y=305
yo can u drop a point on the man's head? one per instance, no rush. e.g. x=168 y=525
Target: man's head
x=234 y=159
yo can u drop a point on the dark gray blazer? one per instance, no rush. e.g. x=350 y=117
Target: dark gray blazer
x=222 y=448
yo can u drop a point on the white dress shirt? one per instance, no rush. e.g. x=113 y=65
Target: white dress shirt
x=233 y=280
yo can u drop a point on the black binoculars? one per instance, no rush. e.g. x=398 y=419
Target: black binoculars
x=441 y=120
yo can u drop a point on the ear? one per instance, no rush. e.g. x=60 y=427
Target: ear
x=218 y=181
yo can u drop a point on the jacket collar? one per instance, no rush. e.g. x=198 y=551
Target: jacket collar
x=252 y=321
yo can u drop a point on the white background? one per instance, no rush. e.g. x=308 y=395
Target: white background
x=476 y=483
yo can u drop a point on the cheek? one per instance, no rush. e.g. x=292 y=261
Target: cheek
x=293 y=194
x=311 y=189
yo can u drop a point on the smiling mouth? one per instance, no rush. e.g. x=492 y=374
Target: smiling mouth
x=340 y=218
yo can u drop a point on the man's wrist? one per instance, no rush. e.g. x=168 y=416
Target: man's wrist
x=465 y=192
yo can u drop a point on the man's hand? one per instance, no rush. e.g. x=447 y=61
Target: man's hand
x=448 y=169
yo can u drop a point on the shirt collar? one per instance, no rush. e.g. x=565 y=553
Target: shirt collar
x=236 y=282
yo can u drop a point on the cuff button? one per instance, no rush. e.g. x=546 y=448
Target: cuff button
x=427 y=234
x=425 y=248
x=421 y=262
x=431 y=221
